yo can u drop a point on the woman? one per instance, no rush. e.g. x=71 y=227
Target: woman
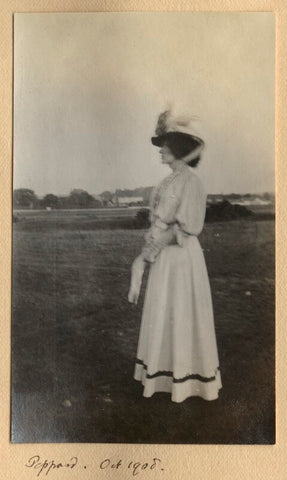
x=177 y=349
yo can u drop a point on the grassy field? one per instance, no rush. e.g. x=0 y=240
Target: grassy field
x=74 y=336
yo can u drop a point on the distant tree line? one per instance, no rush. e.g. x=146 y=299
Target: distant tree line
x=24 y=198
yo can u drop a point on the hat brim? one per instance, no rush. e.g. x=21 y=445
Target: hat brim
x=158 y=141
x=161 y=139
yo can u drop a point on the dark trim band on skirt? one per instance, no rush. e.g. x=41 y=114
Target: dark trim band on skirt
x=194 y=376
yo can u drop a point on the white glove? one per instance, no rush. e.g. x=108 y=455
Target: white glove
x=137 y=271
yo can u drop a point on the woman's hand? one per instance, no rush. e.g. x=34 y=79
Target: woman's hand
x=137 y=271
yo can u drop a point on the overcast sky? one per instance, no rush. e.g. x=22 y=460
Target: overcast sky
x=89 y=88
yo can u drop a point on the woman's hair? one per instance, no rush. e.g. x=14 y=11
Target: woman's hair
x=193 y=163
x=181 y=146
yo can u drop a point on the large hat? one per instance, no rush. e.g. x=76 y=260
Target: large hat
x=177 y=129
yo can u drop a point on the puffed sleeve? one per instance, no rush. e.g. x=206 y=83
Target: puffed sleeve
x=190 y=213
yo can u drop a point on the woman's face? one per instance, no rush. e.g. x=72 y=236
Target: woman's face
x=166 y=155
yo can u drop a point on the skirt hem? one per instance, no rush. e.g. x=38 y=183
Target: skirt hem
x=179 y=391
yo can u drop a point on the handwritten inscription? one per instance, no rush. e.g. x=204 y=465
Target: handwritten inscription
x=44 y=467
x=47 y=465
x=134 y=467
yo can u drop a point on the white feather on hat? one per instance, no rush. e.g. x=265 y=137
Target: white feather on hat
x=169 y=122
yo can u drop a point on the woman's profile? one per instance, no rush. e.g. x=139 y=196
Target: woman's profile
x=177 y=350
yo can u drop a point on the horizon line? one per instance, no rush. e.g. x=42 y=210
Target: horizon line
x=261 y=192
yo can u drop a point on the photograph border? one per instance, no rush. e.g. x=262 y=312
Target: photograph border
x=197 y=462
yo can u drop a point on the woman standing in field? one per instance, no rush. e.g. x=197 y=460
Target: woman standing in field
x=177 y=349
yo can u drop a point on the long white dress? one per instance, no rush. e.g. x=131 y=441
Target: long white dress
x=177 y=349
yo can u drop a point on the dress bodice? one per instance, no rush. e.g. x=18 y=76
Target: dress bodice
x=177 y=211
x=179 y=198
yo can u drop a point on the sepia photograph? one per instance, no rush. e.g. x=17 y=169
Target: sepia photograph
x=143 y=257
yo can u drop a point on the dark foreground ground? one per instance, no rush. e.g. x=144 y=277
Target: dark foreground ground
x=74 y=339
